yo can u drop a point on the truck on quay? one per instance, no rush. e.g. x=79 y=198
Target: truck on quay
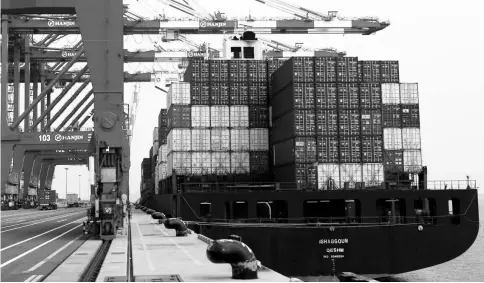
x=72 y=200
x=47 y=199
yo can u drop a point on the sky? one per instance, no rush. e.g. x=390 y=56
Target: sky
x=439 y=45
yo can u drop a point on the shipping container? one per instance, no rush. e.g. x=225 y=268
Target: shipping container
x=412 y=161
x=239 y=140
x=350 y=174
x=294 y=123
x=348 y=96
x=389 y=72
x=163 y=134
x=393 y=160
x=328 y=149
x=409 y=93
x=200 y=93
x=155 y=146
x=239 y=93
x=410 y=115
x=219 y=116
x=327 y=122
x=46 y=197
x=392 y=116
x=390 y=93
x=239 y=116
x=411 y=138
x=370 y=96
x=162 y=171
x=200 y=140
x=258 y=116
x=371 y=122
x=294 y=96
x=201 y=163
x=179 y=140
x=373 y=174
x=347 y=69
x=372 y=149
x=325 y=69
x=31 y=191
x=258 y=94
x=200 y=116
x=220 y=163
x=296 y=150
x=239 y=163
x=197 y=71
x=273 y=65
x=349 y=122
x=219 y=70
x=259 y=139
x=178 y=94
x=162 y=153
x=180 y=163
x=219 y=93
x=155 y=135
x=238 y=71
x=304 y=176
x=220 y=139
x=257 y=70
x=162 y=126
x=259 y=162
x=328 y=176
x=326 y=96
x=179 y=116
x=350 y=149
x=370 y=71
x=392 y=138
x=157 y=179
x=296 y=69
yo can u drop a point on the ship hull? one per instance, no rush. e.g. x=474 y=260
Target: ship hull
x=326 y=249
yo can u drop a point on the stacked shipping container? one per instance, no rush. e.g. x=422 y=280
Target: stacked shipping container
x=328 y=111
x=162 y=149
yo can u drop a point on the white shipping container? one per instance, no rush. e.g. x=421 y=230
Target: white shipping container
x=373 y=174
x=155 y=135
x=239 y=163
x=179 y=140
x=200 y=140
x=328 y=176
x=259 y=139
x=219 y=116
x=180 y=162
x=162 y=172
x=157 y=179
x=351 y=173
x=409 y=93
x=220 y=163
x=178 y=93
x=201 y=163
x=162 y=153
x=411 y=138
x=412 y=161
x=155 y=146
x=239 y=116
x=392 y=138
x=239 y=139
x=220 y=139
x=390 y=93
x=200 y=116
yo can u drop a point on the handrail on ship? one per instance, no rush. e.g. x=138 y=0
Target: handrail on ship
x=292 y=186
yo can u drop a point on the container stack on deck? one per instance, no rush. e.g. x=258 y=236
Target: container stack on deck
x=162 y=150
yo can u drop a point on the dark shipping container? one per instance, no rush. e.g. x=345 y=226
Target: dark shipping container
x=391 y=116
x=197 y=71
x=273 y=65
x=296 y=69
x=349 y=122
x=328 y=149
x=219 y=93
x=239 y=93
x=326 y=96
x=372 y=149
x=257 y=70
x=258 y=116
x=327 y=122
x=200 y=93
x=369 y=71
x=294 y=123
x=258 y=94
x=219 y=70
x=370 y=95
x=259 y=162
x=347 y=69
x=296 y=150
x=325 y=69
x=389 y=72
x=348 y=96
x=45 y=197
x=393 y=160
x=238 y=71
x=294 y=96
x=304 y=175
x=350 y=149
x=179 y=116
x=410 y=115
x=371 y=122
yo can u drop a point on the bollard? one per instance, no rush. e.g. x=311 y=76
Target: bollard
x=177 y=224
x=235 y=253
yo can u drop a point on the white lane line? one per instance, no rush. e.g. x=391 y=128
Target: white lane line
x=15 y=220
x=36 y=279
x=51 y=256
x=30 y=278
x=187 y=253
x=38 y=247
x=146 y=252
x=26 y=240
x=61 y=220
x=50 y=219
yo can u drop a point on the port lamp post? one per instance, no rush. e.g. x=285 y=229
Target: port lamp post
x=67 y=169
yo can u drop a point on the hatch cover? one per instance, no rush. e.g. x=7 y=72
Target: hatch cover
x=150 y=278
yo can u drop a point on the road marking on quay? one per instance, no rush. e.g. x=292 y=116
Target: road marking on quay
x=26 y=240
x=51 y=256
x=61 y=220
x=34 y=278
x=48 y=217
x=36 y=222
x=38 y=247
x=187 y=253
x=145 y=249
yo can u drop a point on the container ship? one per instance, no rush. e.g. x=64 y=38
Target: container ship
x=314 y=162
